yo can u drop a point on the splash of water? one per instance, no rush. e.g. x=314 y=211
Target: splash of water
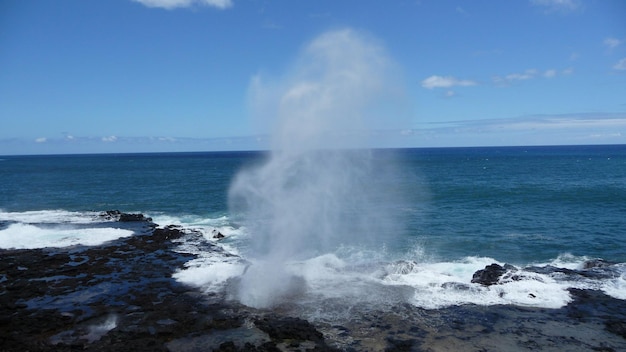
x=317 y=190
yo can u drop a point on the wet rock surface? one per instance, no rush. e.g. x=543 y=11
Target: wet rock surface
x=121 y=296
x=489 y=275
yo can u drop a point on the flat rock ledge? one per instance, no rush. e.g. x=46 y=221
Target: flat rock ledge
x=120 y=296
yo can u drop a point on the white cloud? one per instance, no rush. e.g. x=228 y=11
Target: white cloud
x=166 y=139
x=445 y=82
x=559 y=129
x=610 y=121
x=562 y=6
x=564 y=121
x=529 y=74
x=526 y=75
x=172 y=4
x=549 y=73
x=612 y=43
x=109 y=139
x=41 y=140
x=620 y=65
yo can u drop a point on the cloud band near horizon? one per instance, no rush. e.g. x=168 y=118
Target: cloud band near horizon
x=173 y=4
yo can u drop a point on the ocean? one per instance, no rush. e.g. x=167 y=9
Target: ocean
x=414 y=226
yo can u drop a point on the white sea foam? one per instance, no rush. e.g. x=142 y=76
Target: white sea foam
x=189 y=220
x=567 y=261
x=56 y=228
x=617 y=286
x=210 y=273
x=449 y=283
x=25 y=236
x=355 y=276
x=434 y=285
x=208 y=226
x=214 y=266
x=51 y=217
x=97 y=331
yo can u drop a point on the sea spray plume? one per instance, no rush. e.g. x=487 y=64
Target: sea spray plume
x=331 y=97
x=315 y=192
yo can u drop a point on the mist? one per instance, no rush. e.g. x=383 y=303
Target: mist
x=318 y=190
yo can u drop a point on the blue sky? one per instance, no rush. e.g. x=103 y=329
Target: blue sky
x=82 y=76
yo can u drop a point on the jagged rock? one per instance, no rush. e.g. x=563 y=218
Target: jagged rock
x=129 y=300
x=217 y=235
x=168 y=233
x=549 y=269
x=489 y=275
x=117 y=215
x=289 y=329
x=459 y=286
x=598 y=270
x=617 y=327
x=400 y=345
x=110 y=215
x=596 y=263
x=124 y=217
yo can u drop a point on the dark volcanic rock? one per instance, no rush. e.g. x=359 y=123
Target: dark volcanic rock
x=168 y=233
x=489 y=275
x=597 y=269
x=590 y=304
x=120 y=296
x=117 y=215
x=133 y=217
x=456 y=286
x=617 y=327
x=286 y=328
x=295 y=331
x=400 y=345
x=596 y=263
x=217 y=235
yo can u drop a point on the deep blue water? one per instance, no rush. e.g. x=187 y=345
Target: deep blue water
x=515 y=204
x=524 y=203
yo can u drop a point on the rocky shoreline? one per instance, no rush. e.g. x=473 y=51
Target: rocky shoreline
x=121 y=296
